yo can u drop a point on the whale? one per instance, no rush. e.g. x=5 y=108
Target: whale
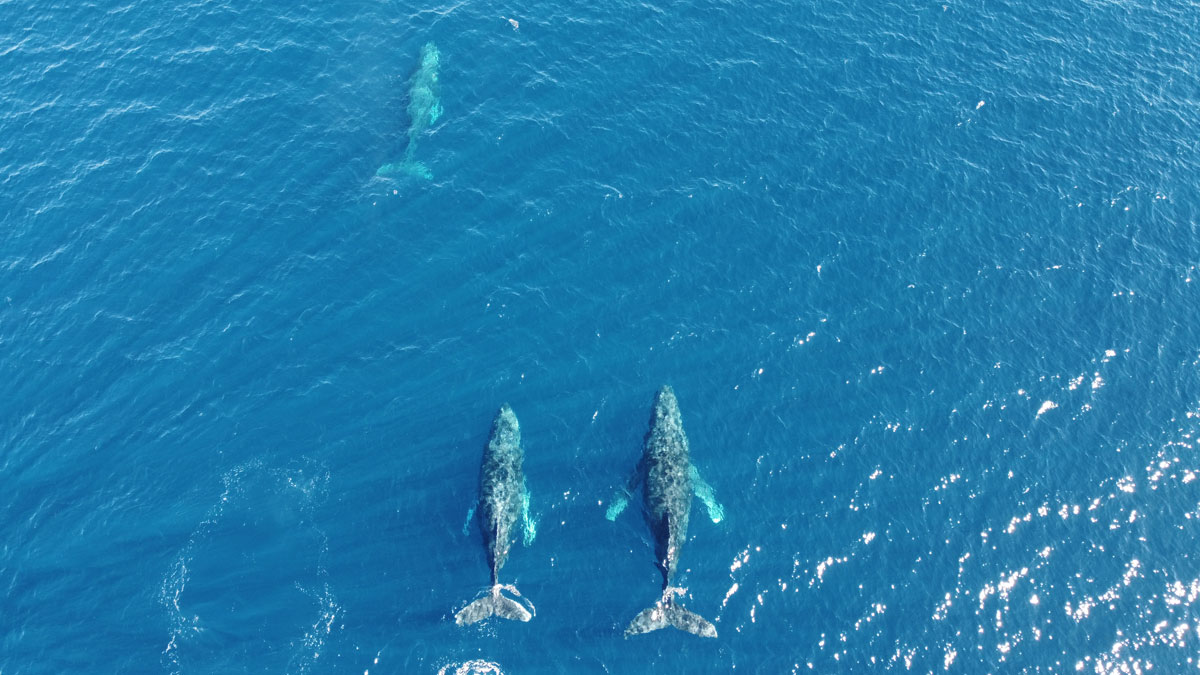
x=669 y=482
x=503 y=503
x=424 y=108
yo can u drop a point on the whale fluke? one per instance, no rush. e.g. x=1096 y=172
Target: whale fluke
x=667 y=613
x=495 y=603
x=408 y=168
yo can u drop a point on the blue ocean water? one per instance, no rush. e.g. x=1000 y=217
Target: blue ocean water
x=921 y=275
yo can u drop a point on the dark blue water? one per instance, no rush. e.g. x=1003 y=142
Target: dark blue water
x=923 y=277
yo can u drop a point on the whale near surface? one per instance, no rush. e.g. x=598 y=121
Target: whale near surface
x=503 y=504
x=424 y=109
x=669 y=483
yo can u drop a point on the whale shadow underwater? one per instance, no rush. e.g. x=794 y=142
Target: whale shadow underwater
x=424 y=108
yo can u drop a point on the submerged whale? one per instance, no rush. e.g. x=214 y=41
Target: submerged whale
x=503 y=501
x=424 y=108
x=668 y=483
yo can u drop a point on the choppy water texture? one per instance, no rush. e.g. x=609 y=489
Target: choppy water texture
x=922 y=275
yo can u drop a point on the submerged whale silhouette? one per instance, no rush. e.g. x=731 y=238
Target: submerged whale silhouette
x=424 y=108
x=503 y=500
x=668 y=483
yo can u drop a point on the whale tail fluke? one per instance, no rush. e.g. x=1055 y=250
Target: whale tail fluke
x=666 y=614
x=495 y=603
x=407 y=167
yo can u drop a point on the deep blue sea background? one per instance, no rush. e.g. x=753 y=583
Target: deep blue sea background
x=922 y=275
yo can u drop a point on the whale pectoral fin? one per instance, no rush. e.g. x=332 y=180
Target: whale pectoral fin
x=620 y=500
x=467 y=523
x=435 y=112
x=528 y=523
x=621 y=497
x=704 y=491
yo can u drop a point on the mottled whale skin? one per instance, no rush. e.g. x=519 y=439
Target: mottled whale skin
x=667 y=479
x=503 y=502
x=424 y=108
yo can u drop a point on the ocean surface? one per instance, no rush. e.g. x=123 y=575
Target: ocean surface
x=923 y=276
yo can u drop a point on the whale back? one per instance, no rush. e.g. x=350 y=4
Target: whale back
x=667 y=492
x=501 y=488
x=424 y=105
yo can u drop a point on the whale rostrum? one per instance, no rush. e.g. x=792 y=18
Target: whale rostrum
x=668 y=482
x=503 y=502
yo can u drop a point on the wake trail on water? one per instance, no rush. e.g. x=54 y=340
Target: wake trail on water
x=286 y=498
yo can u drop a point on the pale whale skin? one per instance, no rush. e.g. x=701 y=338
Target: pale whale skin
x=666 y=475
x=502 y=505
x=424 y=108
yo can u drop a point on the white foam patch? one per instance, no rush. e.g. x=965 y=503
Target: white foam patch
x=740 y=560
x=291 y=495
x=476 y=667
x=175 y=581
x=729 y=594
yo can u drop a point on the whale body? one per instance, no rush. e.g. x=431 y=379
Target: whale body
x=503 y=503
x=424 y=108
x=668 y=485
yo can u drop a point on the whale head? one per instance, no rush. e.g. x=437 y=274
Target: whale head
x=666 y=407
x=430 y=56
x=506 y=417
